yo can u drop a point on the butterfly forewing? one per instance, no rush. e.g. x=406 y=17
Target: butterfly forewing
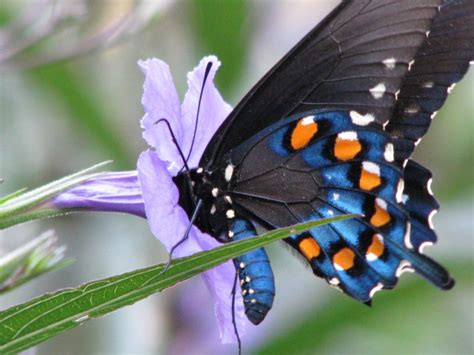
x=355 y=59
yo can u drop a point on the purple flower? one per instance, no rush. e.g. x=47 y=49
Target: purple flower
x=108 y=192
x=150 y=191
x=168 y=221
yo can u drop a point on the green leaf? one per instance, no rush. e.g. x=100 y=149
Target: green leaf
x=12 y=195
x=35 y=321
x=33 y=259
x=20 y=207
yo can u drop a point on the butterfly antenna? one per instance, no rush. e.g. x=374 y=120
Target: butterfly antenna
x=186 y=234
x=175 y=141
x=234 y=323
x=206 y=74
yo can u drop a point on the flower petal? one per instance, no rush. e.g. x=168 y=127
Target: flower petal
x=212 y=113
x=168 y=222
x=109 y=192
x=220 y=282
x=161 y=100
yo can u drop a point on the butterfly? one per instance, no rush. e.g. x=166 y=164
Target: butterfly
x=330 y=130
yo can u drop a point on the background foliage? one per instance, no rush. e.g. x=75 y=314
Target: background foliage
x=59 y=118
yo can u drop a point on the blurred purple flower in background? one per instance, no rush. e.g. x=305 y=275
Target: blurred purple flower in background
x=108 y=192
x=150 y=191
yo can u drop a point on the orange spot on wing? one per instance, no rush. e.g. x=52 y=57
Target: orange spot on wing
x=309 y=248
x=303 y=133
x=376 y=248
x=344 y=259
x=346 y=149
x=368 y=180
x=380 y=217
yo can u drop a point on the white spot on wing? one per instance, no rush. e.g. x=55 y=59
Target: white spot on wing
x=230 y=214
x=390 y=63
x=371 y=167
x=330 y=213
x=411 y=64
x=307 y=120
x=361 y=120
x=405 y=198
x=229 y=170
x=335 y=196
x=430 y=218
x=407 y=238
x=427 y=84
x=389 y=152
x=381 y=203
x=348 y=136
x=213 y=209
x=215 y=191
x=378 y=91
x=334 y=281
x=403 y=267
x=372 y=256
x=228 y=199
x=412 y=109
x=423 y=246
x=433 y=115
x=427 y=34
x=428 y=186
x=400 y=188
x=450 y=89
x=396 y=94
x=377 y=288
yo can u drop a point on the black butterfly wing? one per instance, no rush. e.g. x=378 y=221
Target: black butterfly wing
x=344 y=91
x=320 y=164
x=442 y=61
x=355 y=59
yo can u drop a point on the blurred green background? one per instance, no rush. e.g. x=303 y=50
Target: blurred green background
x=62 y=116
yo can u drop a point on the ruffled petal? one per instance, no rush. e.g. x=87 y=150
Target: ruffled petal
x=167 y=220
x=108 y=192
x=161 y=100
x=213 y=110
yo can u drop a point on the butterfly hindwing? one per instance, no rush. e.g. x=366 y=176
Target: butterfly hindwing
x=324 y=165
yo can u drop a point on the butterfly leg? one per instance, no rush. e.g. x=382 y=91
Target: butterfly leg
x=255 y=274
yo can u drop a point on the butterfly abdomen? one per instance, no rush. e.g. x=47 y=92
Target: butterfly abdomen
x=255 y=275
